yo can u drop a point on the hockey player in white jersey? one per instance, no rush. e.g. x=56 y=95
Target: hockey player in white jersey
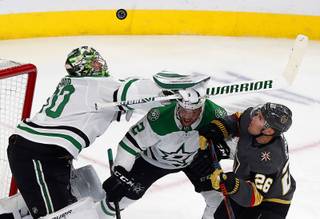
x=42 y=148
x=165 y=141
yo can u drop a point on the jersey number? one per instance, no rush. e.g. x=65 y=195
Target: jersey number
x=59 y=100
x=286 y=179
x=138 y=128
x=262 y=182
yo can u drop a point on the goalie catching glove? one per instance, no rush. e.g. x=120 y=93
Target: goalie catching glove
x=121 y=184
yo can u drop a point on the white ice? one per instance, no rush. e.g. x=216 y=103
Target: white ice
x=225 y=58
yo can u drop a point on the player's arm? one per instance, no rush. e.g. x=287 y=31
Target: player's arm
x=122 y=183
x=138 y=88
x=221 y=128
x=245 y=193
x=217 y=131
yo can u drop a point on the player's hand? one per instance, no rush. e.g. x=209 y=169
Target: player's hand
x=121 y=184
x=228 y=180
x=215 y=131
x=215 y=179
x=222 y=149
x=201 y=164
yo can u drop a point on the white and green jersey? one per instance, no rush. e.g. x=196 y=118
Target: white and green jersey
x=162 y=141
x=70 y=118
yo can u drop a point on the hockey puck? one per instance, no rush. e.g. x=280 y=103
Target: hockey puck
x=121 y=14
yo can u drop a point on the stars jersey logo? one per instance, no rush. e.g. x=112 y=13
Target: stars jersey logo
x=178 y=158
x=265 y=156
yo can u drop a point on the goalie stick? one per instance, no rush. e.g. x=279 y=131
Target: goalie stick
x=289 y=74
x=286 y=79
x=116 y=204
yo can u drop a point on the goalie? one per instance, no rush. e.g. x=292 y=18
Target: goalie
x=42 y=148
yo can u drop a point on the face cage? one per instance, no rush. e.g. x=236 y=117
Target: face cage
x=91 y=71
x=191 y=106
x=179 y=107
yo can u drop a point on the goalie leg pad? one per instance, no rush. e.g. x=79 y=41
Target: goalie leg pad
x=82 y=209
x=86 y=183
x=213 y=200
x=13 y=207
x=12 y=203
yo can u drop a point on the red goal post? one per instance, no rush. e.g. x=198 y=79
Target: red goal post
x=17 y=83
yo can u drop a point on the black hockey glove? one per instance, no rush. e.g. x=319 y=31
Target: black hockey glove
x=216 y=131
x=121 y=184
x=201 y=164
x=222 y=150
x=230 y=181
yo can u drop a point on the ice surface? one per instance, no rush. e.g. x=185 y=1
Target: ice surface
x=226 y=59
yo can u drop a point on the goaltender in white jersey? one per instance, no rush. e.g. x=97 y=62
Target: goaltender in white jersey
x=42 y=148
x=71 y=118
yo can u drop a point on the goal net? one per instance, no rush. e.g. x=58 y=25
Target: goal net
x=17 y=83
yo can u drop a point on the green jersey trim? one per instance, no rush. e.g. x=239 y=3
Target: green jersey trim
x=73 y=141
x=161 y=120
x=128 y=149
x=125 y=91
x=43 y=186
x=211 y=111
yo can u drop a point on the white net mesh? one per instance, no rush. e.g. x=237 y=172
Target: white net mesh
x=12 y=96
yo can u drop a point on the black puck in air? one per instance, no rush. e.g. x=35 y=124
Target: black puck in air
x=121 y=14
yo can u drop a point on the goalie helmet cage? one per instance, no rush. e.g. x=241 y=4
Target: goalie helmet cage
x=17 y=83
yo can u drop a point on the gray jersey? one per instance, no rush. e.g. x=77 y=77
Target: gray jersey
x=265 y=166
x=70 y=118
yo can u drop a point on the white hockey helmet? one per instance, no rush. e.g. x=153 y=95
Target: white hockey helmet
x=192 y=98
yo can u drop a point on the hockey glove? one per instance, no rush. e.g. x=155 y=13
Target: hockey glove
x=216 y=131
x=201 y=165
x=121 y=184
x=222 y=149
x=229 y=180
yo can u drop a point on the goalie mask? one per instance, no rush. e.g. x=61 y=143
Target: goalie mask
x=86 y=61
x=277 y=116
